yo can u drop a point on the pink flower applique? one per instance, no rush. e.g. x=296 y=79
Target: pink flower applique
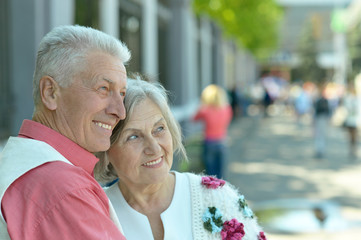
x=212 y=182
x=261 y=236
x=232 y=230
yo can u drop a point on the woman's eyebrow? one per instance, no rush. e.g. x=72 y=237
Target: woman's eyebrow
x=135 y=129
x=130 y=130
x=159 y=121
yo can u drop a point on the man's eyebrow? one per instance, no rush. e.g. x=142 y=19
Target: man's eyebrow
x=108 y=80
x=97 y=80
x=111 y=82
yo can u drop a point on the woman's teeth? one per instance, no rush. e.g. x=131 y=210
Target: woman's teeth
x=103 y=125
x=153 y=162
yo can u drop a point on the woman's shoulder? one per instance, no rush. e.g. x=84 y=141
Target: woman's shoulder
x=220 y=206
x=211 y=184
x=213 y=189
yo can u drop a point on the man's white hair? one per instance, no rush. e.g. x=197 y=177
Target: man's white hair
x=62 y=52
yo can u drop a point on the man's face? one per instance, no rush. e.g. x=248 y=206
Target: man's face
x=92 y=105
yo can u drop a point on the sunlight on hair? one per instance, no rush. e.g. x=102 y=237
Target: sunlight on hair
x=214 y=95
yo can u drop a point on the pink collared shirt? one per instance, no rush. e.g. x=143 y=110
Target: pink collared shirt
x=57 y=200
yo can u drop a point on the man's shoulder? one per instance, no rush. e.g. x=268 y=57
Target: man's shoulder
x=55 y=179
x=59 y=173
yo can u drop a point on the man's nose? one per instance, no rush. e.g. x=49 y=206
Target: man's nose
x=116 y=106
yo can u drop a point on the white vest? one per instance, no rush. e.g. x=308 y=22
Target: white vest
x=21 y=155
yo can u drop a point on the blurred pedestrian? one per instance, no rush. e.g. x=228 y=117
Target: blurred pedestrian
x=268 y=90
x=46 y=173
x=321 y=123
x=352 y=106
x=235 y=98
x=216 y=113
x=153 y=202
x=273 y=89
x=302 y=104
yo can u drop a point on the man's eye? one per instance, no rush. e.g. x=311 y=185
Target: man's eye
x=103 y=90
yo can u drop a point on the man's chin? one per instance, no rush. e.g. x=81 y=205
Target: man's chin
x=100 y=148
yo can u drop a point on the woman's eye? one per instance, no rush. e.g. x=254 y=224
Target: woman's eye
x=132 y=137
x=160 y=129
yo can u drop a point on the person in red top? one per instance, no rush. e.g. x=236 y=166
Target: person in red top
x=216 y=113
x=47 y=189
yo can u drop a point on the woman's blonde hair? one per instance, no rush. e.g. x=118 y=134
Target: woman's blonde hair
x=214 y=95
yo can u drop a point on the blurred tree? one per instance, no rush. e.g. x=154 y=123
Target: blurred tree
x=87 y=13
x=354 y=50
x=309 y=69
x=252 y=23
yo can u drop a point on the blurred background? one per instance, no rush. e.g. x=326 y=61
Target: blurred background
x=275 y=58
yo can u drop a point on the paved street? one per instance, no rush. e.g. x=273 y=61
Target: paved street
x=272 y=161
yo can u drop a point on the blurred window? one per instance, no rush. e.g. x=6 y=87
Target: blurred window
x=164 y=17
x=5 y=93
x=164 y=62
x=214 y=55
x=130 y=22
x=165 y=3
x=200 y=67
x=87 y=13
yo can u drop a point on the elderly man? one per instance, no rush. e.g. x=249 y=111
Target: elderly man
x=46 y=173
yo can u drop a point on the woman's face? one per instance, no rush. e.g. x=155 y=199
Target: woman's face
x=143 y=153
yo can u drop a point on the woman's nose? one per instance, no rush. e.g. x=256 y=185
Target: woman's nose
x=152 y=146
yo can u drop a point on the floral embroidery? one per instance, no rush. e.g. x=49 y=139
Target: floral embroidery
x=212 y=220
x=232 y=230
x=243 y=206
x=212 y=182
x=212 y=217
x=261 y=236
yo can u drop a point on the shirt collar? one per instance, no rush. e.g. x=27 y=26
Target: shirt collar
x=69 y=149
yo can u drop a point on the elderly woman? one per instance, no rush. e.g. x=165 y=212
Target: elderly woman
x=153 y=202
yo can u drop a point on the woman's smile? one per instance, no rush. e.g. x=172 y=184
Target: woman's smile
x=154 y=163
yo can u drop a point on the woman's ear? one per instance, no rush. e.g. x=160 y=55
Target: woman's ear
x=48 y=91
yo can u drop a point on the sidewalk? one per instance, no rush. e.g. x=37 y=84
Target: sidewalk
x=272 y=159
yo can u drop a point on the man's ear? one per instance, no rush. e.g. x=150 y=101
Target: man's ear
x=49 y=89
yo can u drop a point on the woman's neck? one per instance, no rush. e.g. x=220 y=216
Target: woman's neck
x=149 y=199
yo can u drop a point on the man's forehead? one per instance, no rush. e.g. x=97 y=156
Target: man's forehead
x=95 y=77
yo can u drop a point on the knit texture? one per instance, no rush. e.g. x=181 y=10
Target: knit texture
x=226 y=199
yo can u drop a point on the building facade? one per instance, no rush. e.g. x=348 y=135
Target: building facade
x=168 y=44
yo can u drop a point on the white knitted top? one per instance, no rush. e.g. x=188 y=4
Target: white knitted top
x=184 y=219
x=226 y=200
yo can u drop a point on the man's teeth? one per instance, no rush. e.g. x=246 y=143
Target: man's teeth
x=153 y=163
x=103 y=125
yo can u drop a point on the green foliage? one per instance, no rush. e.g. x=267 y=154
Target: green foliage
x=252 y=23
x=193 y=145
x=354 y=50
x=87 y=13
x=267 y=216
x=308 y=51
